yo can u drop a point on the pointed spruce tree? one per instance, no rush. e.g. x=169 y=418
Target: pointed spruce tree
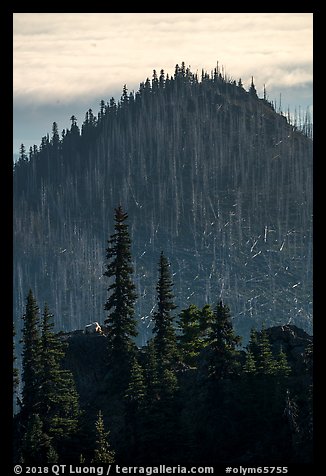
x=103 y=453
x=266 y=363
x=121 y=323
x=36 y=447
x=223 y=342
x=59 y=406
x=134 y=406
x=135 y=392
x=15 y=374
x=164 y=332
x=160 y=428
x=150 y=374
x=252 y=90
x=190 y=340
x=283 y=368
x=249 y=367
x=31 y=358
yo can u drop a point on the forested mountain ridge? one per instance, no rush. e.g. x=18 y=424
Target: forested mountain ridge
x=207 y=171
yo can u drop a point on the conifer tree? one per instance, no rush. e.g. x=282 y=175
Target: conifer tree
x=164 y=332
x=15 y=370
x=206 y=321
x=122 y=296
x=252 y=89
x=55 y=140
x=283 y=368
x=223 y=343
x=134 y=400
x=150 y=374
x=136 y=389
x=266 y=363
x=36 y=447
x=250 y=364
x=190 y=340
x=253 y=343
x=31 y=357
x=103 y=453
x=59 y=407
x=22 y=153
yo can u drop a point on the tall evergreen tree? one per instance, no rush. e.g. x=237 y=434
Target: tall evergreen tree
x=15 y=370
x=55 y=140
x=164 y=332
x=121 y=300
x=252 y=90
x=223 y=343
x=103 y=453
x=283 y=368
x=136 y=389
x=266 y=363
x=206 y=321
x=134 y=400
x=190 y=340
x=36 y=447
x=31 y=357
x=250 y=364
x=165 y=342
x=59 y=407
x=22 y=153
x=150 y=374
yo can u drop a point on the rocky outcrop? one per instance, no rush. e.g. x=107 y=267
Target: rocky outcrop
x=86 y=358
x=293 y=341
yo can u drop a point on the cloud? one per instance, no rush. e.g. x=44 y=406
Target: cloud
x=64 y=63
x=70 y=55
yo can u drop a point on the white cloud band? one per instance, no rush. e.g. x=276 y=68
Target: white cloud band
x=69 y=55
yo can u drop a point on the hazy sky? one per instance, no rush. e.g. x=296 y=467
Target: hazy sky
x=65 y=63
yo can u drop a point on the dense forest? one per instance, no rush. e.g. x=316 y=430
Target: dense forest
x=190 y=396
x=208 y=171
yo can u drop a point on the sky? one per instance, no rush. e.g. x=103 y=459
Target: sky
x=65 y=63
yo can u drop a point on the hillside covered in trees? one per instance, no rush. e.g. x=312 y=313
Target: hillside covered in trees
x=189 y=396
x=208 y=171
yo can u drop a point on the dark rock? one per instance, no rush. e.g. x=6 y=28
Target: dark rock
x=86 y=358
x=293 y=341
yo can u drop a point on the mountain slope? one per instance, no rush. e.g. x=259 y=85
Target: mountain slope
x=207 y=172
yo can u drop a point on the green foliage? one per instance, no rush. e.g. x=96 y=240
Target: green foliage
x=103 y=453
x=260 y=351
x=58 y=396
x=223 y=342
x=250 y=364
x=240 y=412
x=266 y=364
x=195 y=326
x=31 y=354
x=15 y=370
x=164 y=333
x=165 y=407
x=36 y=445
x=206 y=321
x=150 y=374
x=169 y=411
x=120 y=303
x=50 y=408
x=283 y=369
x=136 y=390
x=190 y=340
